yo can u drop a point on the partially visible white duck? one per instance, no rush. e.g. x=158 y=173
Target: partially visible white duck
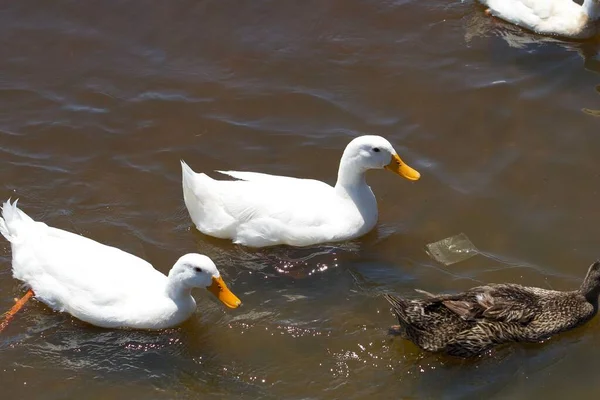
x=549 y=17
x=263 y=210
x=103 y=285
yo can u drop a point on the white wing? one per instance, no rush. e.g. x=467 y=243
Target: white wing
x=268 y=208
x=258 y=177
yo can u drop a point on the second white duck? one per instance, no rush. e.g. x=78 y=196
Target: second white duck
x=103 y=285
x=549 y=17
x=261 y=210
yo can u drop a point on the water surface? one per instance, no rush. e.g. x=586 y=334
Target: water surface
x=99 y=100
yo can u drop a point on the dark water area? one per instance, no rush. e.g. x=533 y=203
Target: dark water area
x=100 y=100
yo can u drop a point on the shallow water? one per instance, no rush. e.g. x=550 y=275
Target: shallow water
x=100 y=100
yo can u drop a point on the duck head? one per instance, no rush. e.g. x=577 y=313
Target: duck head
x=197 y=270
x=374 y=152
x=590 y=287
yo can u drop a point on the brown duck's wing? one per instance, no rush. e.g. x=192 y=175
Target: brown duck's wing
x=494 y=302
x=510 y=312
x=465 y=309
x=504 y=303
x=461 y=304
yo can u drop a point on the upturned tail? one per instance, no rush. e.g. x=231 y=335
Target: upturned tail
x=399 y=305
x=187 y=175
x=12 y=221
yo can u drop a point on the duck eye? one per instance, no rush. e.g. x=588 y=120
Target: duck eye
x=197 y=269
x=376 y=149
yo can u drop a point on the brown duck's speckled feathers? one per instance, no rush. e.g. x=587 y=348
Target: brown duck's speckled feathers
x=469 y=323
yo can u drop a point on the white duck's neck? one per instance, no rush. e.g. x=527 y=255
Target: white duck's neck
x=352 y=186
x=592 y=9
x=351 y=178
x=177 y=290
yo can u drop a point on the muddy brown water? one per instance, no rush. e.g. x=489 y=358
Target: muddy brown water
x=100 y=99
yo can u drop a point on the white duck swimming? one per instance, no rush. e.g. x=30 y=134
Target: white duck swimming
x=549 y=17
x=263 y=210
x=103 y=285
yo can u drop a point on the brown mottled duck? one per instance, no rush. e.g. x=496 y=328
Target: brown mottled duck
x=468 y=324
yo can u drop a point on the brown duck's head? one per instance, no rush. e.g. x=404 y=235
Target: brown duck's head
x=590 y=287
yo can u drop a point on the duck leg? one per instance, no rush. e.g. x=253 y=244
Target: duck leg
x=15 y=309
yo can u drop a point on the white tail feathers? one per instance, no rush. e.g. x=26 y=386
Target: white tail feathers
x=12 y=220
x=187 y=174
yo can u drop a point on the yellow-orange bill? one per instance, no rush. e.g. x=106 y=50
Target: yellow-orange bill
x=399 y=167
x=222 y=292
x=15 y=309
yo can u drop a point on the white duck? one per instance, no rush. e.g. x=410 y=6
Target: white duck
x=103 y=285
x=549 y=17
x=263 y=210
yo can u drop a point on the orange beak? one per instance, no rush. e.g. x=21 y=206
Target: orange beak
x=222 y=292
x=397 y=166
